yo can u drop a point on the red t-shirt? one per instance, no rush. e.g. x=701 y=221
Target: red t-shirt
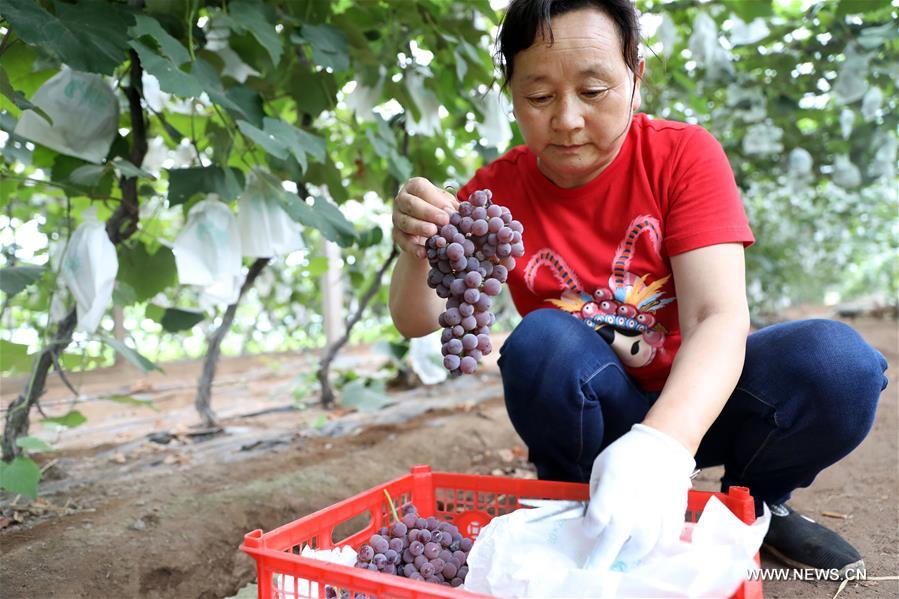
x=602 y=251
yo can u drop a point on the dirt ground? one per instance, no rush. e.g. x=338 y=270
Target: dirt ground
x=141 y=503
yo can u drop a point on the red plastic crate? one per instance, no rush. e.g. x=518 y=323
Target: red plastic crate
x=469 y=501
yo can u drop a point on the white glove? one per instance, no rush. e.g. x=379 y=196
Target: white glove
x=638 y=496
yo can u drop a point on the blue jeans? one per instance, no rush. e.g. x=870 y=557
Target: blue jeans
x=806 y=398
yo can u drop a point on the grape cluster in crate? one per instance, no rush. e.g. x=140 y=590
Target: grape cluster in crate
x=419 y=549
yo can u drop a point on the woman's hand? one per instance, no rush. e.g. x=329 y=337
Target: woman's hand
x=638 y=497
x=419 y=209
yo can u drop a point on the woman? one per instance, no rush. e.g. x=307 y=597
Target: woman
x=633 y=364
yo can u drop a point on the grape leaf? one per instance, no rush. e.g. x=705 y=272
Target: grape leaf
x=69 y=420
x=131 y=355
x=248 y=16
x=129 y=170
x=18 y=99
x=14 y=357
x=145 y=273
x=34 y=444
x=281 y=139
x=357 y=394
x=329 y=46
x=176 y=319
x=171 y=79
x=20 y=477
x=185 y=182
x=171 y=48
x=92 y=36
x=14 y=279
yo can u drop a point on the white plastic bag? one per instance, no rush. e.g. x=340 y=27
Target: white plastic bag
x=287 y=586
x=265 y=228
x=207 y=251
x=85 y=115
x=426 y=360
x=520 y=555
x=88 y=270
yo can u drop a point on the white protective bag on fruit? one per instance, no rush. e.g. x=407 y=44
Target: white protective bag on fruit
x=207 y=252
x=265 y=228
x=517 y=555
x=89 y=268
x=85 y=115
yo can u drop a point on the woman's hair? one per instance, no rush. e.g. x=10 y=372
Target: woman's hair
x=525 y=19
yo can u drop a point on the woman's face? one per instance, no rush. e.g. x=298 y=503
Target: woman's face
x=573 y=100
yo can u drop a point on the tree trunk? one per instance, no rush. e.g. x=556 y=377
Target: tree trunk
x=120 y=226
x=202 y=401
x=17 y=417
x=325 y=366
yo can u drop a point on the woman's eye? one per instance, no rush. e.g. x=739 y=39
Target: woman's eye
x=594 y=93
x=540 y=99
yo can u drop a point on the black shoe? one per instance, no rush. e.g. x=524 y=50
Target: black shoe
x=800 y=542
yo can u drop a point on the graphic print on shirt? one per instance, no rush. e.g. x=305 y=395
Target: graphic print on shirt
x=624 y=312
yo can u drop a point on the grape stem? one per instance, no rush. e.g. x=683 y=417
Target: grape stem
x=396 y=517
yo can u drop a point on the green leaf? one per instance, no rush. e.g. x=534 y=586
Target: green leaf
x=27 y=72
x=281 y=139
x=131 y=355
x=851 y=7
x=170 y=47
x=873 y=37
x=18 y=99
x=174 y=320
x=364 y=398
x=127 y=169
x=303 y=141
x=249 y=101
x=92 y=36
x=185 y=182
x=14 y=358
x=750 y=9
x=92 y=179
x=34 y=444
x=461 y=65
x=123 y=294
x=145 y=273
x=269 y=141
x=333 y=224
x=212 y=84
x=329 y=46
x=20 y=477
x=72 y=419
x=313 y=92
x=171 y=78
x=381 y=146
x=14 y=279
x=394 y=350
x=399 y=166
x=132 y=401
x=249 y=16
x=369 y=238
x=322 y=215
x=88 y=175
x=317 y=266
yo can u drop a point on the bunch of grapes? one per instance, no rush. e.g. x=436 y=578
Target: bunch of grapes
x=418 y=548
x=470 y=260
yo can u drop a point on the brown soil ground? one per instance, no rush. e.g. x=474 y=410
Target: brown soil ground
x=121 y=515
